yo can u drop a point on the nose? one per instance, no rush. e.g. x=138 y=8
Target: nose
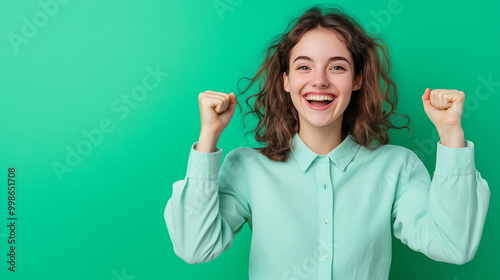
x=320 y=79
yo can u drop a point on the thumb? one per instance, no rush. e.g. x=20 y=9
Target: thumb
x=233 y=98
x=427 y=95
x=232 y=101
x=426 y=98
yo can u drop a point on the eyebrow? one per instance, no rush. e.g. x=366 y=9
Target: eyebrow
x=330 y=59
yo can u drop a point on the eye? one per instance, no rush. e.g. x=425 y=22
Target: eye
x=338 y=68
x=303 y=67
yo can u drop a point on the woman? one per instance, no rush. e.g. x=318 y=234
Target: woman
x=322 y=195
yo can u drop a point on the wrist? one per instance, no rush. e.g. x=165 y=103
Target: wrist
x=207 y=142
x=452 y=137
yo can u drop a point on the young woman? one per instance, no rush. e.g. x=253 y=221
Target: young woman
x=323 y=194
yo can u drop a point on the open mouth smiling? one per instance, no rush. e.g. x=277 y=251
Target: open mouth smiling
x=319 y=100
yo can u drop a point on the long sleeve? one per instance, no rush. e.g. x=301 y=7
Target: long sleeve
x=198 y=230
x=442 y=218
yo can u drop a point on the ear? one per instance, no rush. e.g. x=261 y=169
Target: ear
x=357 y=81
x=286 y=85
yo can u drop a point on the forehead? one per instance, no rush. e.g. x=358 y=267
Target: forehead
x=320 y=44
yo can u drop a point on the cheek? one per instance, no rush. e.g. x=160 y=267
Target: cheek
x=344 y=84
x=296 y=82
x=295 y=99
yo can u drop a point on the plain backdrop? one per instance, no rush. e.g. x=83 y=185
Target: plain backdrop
x=99 y=109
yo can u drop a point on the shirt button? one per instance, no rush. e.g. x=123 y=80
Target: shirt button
x=325 y=258
x=325 y=222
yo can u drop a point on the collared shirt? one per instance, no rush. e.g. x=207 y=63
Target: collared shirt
x=328 y=217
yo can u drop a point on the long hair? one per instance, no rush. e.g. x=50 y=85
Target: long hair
x=371 y=110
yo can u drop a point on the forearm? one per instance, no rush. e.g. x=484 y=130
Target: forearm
x=192 y=215
x=196 y=228
x=197 y=213
x=444 y=218
x=458 y=206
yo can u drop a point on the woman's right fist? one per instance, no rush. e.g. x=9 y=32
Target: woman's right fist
x=216 y=111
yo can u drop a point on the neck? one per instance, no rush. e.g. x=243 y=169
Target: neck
x=321 y=140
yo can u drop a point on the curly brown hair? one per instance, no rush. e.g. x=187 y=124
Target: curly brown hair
x=371 y=111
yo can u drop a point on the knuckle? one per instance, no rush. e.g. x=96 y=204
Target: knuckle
x=204 y=100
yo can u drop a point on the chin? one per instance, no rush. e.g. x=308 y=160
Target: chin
x=321 y=121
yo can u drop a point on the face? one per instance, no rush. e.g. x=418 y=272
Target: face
x=320 y=79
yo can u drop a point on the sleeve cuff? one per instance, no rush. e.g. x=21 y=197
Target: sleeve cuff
x=204 y=166
x=455 y=161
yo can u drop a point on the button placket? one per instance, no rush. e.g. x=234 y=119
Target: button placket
x=325 y=199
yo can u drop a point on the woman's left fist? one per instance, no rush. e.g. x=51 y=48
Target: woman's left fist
x=444 y=107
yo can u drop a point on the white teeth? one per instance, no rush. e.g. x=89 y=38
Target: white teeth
x=319 y=97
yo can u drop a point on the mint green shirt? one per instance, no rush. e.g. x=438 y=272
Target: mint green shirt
x=328 y=217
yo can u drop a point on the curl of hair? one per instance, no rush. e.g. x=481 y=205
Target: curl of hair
x=371 y=110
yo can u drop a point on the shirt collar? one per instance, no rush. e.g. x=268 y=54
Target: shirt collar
x=341 y=156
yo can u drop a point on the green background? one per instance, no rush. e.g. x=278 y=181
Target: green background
x=104 y=219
